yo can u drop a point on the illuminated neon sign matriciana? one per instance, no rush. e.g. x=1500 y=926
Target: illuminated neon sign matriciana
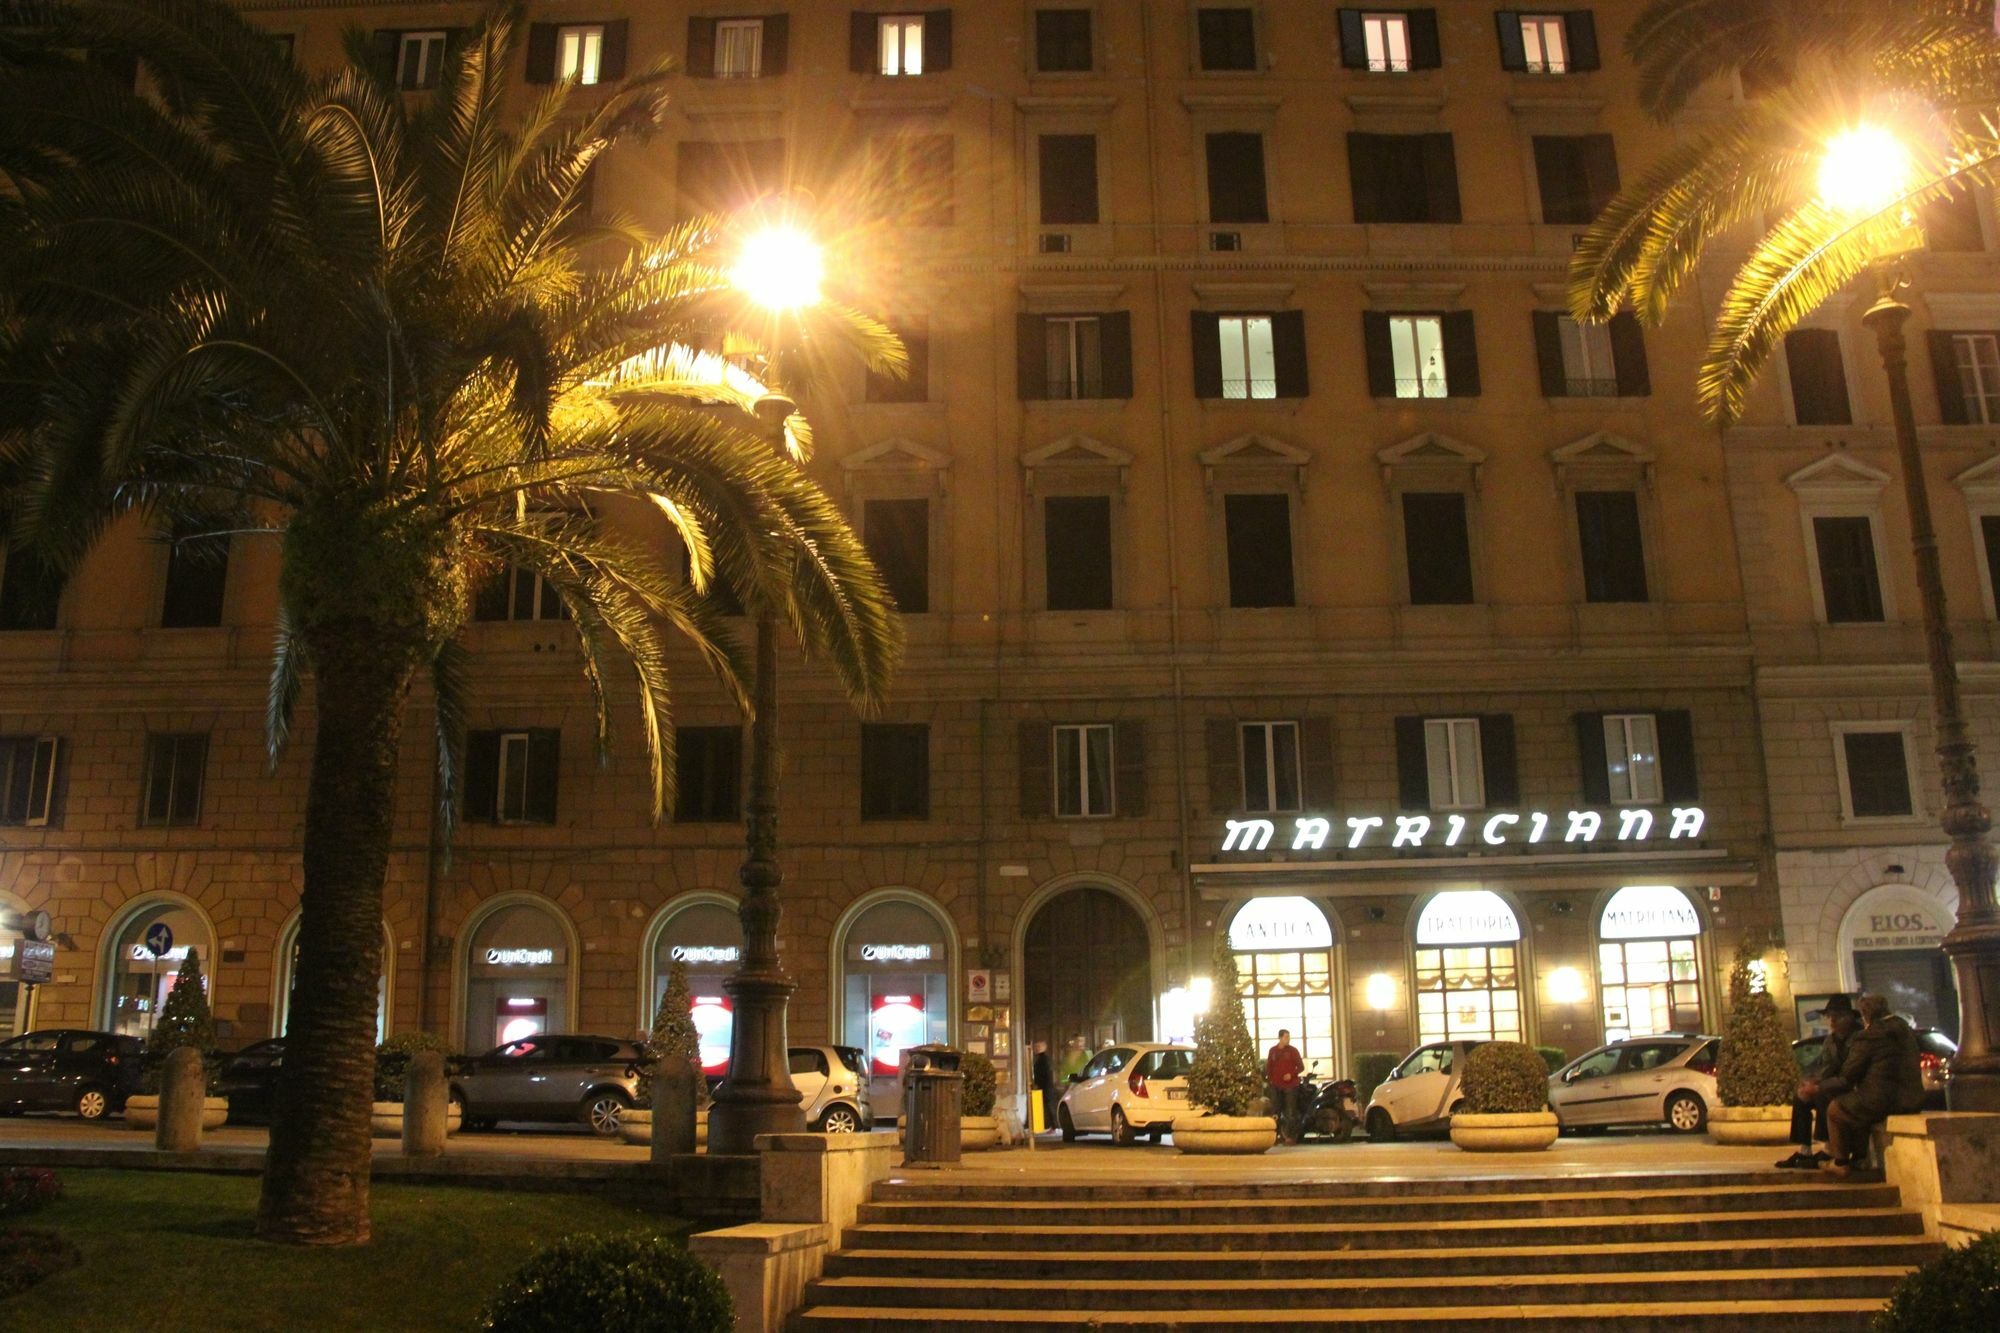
x=1313 y=833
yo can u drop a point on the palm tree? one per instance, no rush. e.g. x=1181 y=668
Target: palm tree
x=383 y=332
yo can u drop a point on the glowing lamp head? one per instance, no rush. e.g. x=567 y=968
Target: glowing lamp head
x=779 y=268
x=1566 y=986
x=1864 y=170
x=1381 y=992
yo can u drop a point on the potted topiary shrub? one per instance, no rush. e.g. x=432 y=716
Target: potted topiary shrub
x=673 y=1033
x=184 y=1020
x=977 y=1129
x=392 y=1068
x=1754 y=1075
x=1227 y=1079
x=1506 y=1109
x=612 y=1282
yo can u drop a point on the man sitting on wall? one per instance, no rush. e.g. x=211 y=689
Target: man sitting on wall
x=1821 y=1085
x=1883 y=1077
x=1282 y=1068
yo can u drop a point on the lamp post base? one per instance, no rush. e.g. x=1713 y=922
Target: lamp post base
x=1974 y=947
x=759 y=1096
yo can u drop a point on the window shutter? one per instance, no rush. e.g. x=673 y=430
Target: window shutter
x=1413 y=765
x=1440 y=179
x=544 y=757
x=481 y=783
x=701 y=48
x=1353 y=40
x=1288 y=348
x=777 y=43
x=1365 y=176
x=1549 y=354
x=1599 y=156
x=1128 y=755
x=1502 y=775
x=1316 y=763
x=1425 y=52
x=1819 y=380
x=937 y=41
x=617 y=41
x=454 y=43
x=1205 y=332
x=1580 y=27
x=386 y=41
x=1461 y=355
x=1380 y=356
x=1677 y=772
x=1513 y=51
x=1031 y=363
x=1037 y=793
x=1944 y=368
x=1225 y=766
x=541 y=53
x=861 y=43
x=1628 y=355
x=1115 y=344
x=1591 y=759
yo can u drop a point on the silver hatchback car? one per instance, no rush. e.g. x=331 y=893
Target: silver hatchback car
x=832 y=1089
x=550 y=1076
x=1665 y=1079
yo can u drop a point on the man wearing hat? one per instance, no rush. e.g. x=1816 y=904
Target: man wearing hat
x=1822 y=1084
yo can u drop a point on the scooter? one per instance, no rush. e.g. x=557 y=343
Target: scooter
x=1331 y=1110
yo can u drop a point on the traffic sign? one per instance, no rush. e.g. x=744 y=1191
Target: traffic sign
x=159 y=939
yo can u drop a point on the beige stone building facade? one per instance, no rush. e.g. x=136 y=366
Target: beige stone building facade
x=1250 y=480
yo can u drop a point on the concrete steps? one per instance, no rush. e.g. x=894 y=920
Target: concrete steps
x=1657 y=1251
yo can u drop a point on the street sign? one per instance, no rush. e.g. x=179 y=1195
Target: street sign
x=34 y=962
x=159 y=939
x=978 y=985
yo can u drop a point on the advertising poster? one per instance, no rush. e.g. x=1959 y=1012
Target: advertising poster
x=896 y=1023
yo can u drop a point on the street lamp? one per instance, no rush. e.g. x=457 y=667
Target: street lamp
x=1865 y=169
x=778 y=268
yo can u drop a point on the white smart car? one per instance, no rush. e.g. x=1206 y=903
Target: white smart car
x=1125 y=1091
x=1420 y=1093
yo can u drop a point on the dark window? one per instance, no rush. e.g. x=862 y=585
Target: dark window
x=1951 y=224
x=1437 y=548
x=1236 y=178
x=708 y=774
x=416 y=58
x=197 y=570
x=1259 y=540
x=1577 y=173
x=916 y=386
x=1989 y=532
x=1069 y=179
x=1074 y=356
x=1878 y=776
x=912 y=178
x=174 y=766
x=723 y=177
x=1076 y=548
x=518 y=594
x=510 y=776
x=1614 y=560
x=895 y=770
x=28 y=779
x=1819 y=380
x=30 y=593
x=1403 y=177
x=1228 y=38
x=1062 y=40
x=898 y=533
x=1847 y=577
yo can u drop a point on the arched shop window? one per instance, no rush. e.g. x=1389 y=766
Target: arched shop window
x=1648 y=962
x=706 y=936
x=895 y=961
x=517 y=976
x=137 y=983
x=1284 y=962
x=1889 y=944
x=1468 y=968
x=288 y=964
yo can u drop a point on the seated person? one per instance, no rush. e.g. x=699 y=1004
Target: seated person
x=1822 y=1083
x=1883 y=1079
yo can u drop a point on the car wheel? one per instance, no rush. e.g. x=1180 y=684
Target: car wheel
x=1121 y=1129
x=1686 y=1113
x=92 y=1104
x=602 y=1111
x=838 y=1120
x=1381 y=1126
x=1068 y=1126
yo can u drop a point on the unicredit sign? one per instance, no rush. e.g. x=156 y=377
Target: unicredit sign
x=1394 y=833
x=895 y=953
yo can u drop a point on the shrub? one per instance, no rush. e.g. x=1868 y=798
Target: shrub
x=1958 y=1289
x=611 y=1284
x=392 y=1061
x=673 y=1034
x=1370 y=1069
x=1505 y=1078
x=1755 y=1067
x=982 y=1085
x=1226 y=1078
x=184 y=1019
x=27 y=1256
x=1553 y=1056
x=25 y=1189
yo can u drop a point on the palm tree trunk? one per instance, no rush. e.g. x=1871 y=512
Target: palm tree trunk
x=316 y=1175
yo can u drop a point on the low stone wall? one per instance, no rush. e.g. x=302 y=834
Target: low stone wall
x=1941 y=1159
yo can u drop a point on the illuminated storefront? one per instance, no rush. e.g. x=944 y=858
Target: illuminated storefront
x=1649 y=962
x=1467 y=968
x=702 y=933
x=517 y=976
x=137 y=983
x=1890 y=945
x=894 y=959
x=1284 y=951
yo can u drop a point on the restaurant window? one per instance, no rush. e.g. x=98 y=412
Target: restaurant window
x=1468 y=979
x=708 y=775
x=1648 y=962
x=174 y=771
x=1285 y=976
x=1062 y=41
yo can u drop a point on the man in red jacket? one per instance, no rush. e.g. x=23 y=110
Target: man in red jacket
x=1282 y=1068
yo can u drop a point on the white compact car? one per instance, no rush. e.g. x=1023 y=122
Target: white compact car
x=1126 y=1091
x=1419 y=1093
x=832 y=1089
x=1667 y=1079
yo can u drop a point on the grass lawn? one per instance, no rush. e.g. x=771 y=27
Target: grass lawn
x=167 y=1250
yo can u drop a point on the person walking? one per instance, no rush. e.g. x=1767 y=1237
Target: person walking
x=1283 y=1066
x=1822 y=1083
x=1043 y=1075
x=1075 y=1056
x=1884 y=1078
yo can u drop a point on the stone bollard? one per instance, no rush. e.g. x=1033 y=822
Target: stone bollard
x=675 y=1088
x=183 y=1086
x=426 y=1104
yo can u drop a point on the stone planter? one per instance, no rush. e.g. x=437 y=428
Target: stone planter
x=977 y=1133
x=386 y=1119
x=636 y=1127
x=1244 y=1134
x=142 y=1111
x=1530 y=1131
x=1750 y=1126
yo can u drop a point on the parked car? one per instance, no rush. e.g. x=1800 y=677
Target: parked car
x=1668 y=1078
x=249 y=1079
x=1420 y=1093
x=1934 y=1055
x=68 y=1069
x=551 y=1077
x=833 y=1090
x=1127 y=1091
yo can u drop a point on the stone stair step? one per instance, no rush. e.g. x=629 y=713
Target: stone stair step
x=1335 y=1187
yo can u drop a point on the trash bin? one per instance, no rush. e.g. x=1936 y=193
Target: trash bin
x=933 y=1098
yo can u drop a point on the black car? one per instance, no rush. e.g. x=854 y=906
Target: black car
x=249 y=1079
x=67 y=1069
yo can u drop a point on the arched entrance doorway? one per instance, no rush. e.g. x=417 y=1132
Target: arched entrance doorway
x=1889 y=944
x=1649 y=962
x=1086 y=968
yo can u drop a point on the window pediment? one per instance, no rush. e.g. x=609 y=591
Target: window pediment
x=1073 y=455
x=896 y=458
x=1433 y=458
x=1064 y=297
x=1602 y=455
x=1838 y=477
x=1254 y=451
x=1981 y=481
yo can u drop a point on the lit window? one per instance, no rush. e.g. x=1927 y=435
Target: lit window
x=1632 y=755
x=1542 y=39
x=1075 y=356
x=1249 y=367
x=1270 y=767
x=1388 y=39
x=1083 y=771
x=900 y=41
x=1979 y=375
x=1417 y=344
x=1451 y=748
x=580 y=53
x=419 y=60
x=739 y=48
x=1588 y=368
